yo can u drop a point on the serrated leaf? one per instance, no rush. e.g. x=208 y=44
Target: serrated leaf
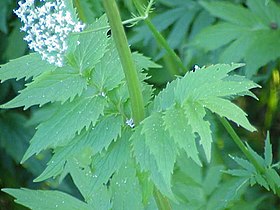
x=82 y=177
x=256 y=156
x=239 y=172
x=25 y=67
x=268 y=151
x=91 y=46
x=109 y=65
x=245 y=164
x=107 y=163
x=179 y=128
x=225 y=108
x=261 y=181
x=196 y=113
x=148 y=162
x=110 y=128
x=126 y=191
x=160 y=144
x=59 y=85
x=273 y=179
x=61 y=154
x=76 y=115
x=143 y=62
x=46 y=199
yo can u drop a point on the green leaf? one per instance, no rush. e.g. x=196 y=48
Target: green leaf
x=106 y=163
x=209 y=87
x=266 y=51
x=228 y=192
x=25 y=67
x=109 y=65
x=181 y=131
x=16 y=46
x=148 y=162
x=143 y=62
x=196 y=113
x=268 y=11
x=245 y=164
x=101 y=199
x=273 y=179
x=239 y=172
x=243 y=28
x=59 y=85
x=91 y=46
x=232 y=13
x=160 y=144
x=268 y=151
x=4 y=5
x=218 y=35
x=225 y=108
x=212 y=179
x=110 y=128
x=61 y=154
x=46 y=199
x=261 y=181
x=14 y=136
x=76 y=115
x=256 y=156
x=126 y=191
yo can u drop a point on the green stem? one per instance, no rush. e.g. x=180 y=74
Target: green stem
x=130 y=74
x=161 y=40
x=241 y=145
x=162 y=202
x=133 y=83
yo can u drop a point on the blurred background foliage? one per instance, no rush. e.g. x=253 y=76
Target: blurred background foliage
x=201 y=34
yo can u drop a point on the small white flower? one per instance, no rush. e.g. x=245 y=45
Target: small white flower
x=47 y=28
x=130 y=123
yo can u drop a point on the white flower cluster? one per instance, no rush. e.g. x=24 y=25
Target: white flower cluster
x=47 y=28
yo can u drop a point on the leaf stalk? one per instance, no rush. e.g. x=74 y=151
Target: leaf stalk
x=241 y=145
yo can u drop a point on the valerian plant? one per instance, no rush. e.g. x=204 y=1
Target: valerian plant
x=124 y=146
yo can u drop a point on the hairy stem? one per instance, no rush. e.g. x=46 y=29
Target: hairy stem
x=133 y=83
x=161 y=40
x=241 y=145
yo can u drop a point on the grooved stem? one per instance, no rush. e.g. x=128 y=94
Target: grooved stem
x=129 y=68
